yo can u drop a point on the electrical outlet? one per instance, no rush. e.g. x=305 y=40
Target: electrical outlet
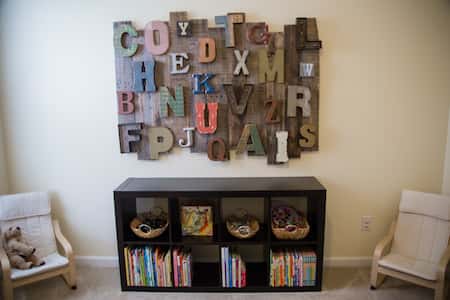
x=366 y=222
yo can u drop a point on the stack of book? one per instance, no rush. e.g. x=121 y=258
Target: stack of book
x=292 y=268
x=234 y=272
x=182 y=267
x=148 y=266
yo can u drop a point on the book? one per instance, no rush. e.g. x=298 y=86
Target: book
x=197 y=220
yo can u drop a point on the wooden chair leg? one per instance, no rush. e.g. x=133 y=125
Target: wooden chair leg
x=376 y=279
x=70 y=277
x=439 y=291
x=7 y=289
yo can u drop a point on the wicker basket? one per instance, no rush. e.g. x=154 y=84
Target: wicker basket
x=296 y=231
x=242 y=225
x=145 y=231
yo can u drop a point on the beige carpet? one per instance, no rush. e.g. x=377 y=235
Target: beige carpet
x=339 y=284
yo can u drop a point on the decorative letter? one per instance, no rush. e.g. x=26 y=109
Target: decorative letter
x=272 y=115
x=118 y=35
x=177 y=104
x=144 y=79
x=207 y=89
x=306 y=70
x=282 y=146
x=126 y=105
x=200 y=117
x=303 y=41
x=206 y=50
x=160 y=140
x=263 y=36
x=177 y=63
x=221 y=154
x=238 y=103
x=277 y=66
x=184 y=28
x=298 y=96
x=129 y=136
x=149 y=35
x=307 y=139
x=241 y=62
x=256 y=147
x=189 y=140
x=228 y=21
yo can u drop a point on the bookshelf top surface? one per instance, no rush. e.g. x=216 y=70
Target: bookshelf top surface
x=219 y=184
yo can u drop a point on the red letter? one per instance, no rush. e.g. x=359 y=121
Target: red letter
x=126 y=105
x=200 y=117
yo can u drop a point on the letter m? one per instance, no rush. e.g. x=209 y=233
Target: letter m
x=277 y=69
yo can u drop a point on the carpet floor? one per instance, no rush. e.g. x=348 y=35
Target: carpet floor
x=339 y=284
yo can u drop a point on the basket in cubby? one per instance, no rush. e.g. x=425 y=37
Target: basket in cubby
x=242 y=225
x=150 y=224
x=289 y=223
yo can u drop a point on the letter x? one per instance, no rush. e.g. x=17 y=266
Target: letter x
x=241 y=59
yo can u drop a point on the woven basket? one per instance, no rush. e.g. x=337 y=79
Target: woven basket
x=244 y=231
x=143 y=230
x=292 y=231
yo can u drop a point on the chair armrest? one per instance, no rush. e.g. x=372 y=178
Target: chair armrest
x=385 y=244
x=4 y=263
x=443 y=263
x=62 y=241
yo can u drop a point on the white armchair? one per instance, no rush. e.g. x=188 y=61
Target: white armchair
x=416 y=248
x=31 y=212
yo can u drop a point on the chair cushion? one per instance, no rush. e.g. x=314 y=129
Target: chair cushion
x=52 y=262
x=24 y=205
x=432 y=205
x=419 y=268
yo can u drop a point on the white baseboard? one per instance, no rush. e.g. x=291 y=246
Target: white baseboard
x=97 y=261
x=348 y=261
x=332 y=262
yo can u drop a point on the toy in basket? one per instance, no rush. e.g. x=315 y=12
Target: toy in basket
x=289 y=223
x=150 y=224
x=242 y=225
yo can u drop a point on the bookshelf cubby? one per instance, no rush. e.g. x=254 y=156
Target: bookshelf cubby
x=256 y=195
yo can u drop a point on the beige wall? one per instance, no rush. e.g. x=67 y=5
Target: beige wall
x=384 y=106
x=3 y=172
x=446 y=179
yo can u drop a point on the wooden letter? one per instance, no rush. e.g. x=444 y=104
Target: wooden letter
x=160 y=139
x=212 y=117
x=282 y=155
x=277 y=68
x=177 y=63
x=206 y=50
x=241 y=59
x=258 y=34
x=221 y=154
x=189 y=139
x=298 y=96
x=177 y=104
x=306 y=70
x=118 y=37
x=151 y=45
x=238 y=97
x=126 y=105
x=307 y=139
x=273 y=114
x=303 y=41
x=253 y=148
x=184 y=28
x=129 y=136
x=228 y=21
x=202 y=86
x=144 y=76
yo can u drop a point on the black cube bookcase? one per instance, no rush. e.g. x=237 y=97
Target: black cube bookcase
x=207 y=275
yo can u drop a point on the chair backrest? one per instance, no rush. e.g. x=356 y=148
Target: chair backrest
x=422 y=231
x=30 y=211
